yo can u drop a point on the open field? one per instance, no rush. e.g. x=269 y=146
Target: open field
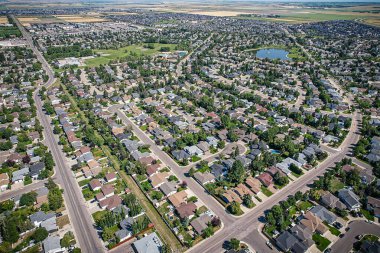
x=113 y=54
x=61 y=19
x=80 y=19
x=3 y=20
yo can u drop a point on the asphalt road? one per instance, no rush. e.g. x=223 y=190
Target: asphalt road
x=12 y=193
x=80 y=217
x=346 y=243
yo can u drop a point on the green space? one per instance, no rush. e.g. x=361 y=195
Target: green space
x=107 y=55
x=332 y=229
x=84 y=182
x=9 y=31
x=266 y=192
x=304 y=205
x=336 y=185
x=321 y=242
x=367 y=214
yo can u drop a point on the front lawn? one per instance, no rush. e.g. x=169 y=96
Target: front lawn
x=266 y=192
x=367 y=214
x=336 y=185
x=332 y=229
x=304 y=205
x=321 y=242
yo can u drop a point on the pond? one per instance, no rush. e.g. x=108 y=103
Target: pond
x=273 y=53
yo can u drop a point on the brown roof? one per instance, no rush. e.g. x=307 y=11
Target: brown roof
x=93 y=164
x=153 y=168
x=107 y=189
x=265 y=178
x=111 y=202
x=158 y=179
x=186 y=210
x=242 y=190
x=231 y=196
x=95 y=183
x=178 y=198
x=314 y=223
x=254 y=184
x=110 y=176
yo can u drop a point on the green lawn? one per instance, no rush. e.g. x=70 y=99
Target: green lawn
x=336 y=185
x=321 y=242
x=84 y=182
x=332 y=229
x=266 y=192
x=367 y=214
x=304 y=205
x=107 y=55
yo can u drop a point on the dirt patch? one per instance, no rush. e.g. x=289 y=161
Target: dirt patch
x=80 y=19
x=63 y=220
x=3 y=20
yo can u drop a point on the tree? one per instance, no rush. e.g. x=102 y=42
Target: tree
x=40 y=234
x=7 y=205
x=234 y=243
x=9 y=231
x=209 y=231
x=234 y=208
x=51 y=184
x=237 y=172
x=247 y=201
x=28 y=199
x=55 y=199
x=67 y=240
x=107 y=234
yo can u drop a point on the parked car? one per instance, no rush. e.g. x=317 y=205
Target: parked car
x=269 y=245
x=338 y=225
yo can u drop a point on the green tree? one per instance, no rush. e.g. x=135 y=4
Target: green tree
x=55 y=199
x=28 y=199
x=234 y=243
x=40 y=234
x=237 y=172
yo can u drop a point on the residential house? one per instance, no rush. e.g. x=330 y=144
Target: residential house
x=204 y=178
x=178 y=198
x=52 y=244
x=266 y=179
x=373 y=205
x=148 y=244
x=4 y=181
x=314 y=223
x=254 y=184
x=350 y=199
x=201 y=223
x=324 y=214
x=186 y=210
x=330 y=201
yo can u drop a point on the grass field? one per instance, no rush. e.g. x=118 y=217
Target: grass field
x=28 y=20
x=112 y=54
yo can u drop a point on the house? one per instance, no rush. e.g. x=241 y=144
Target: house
x=110 y=203
x=111 y=177
x=4 y=181
x=304 y=235
x=266 y=179
x=18 y=175
x=254 y=184
x=286 y=241
x=152 y=169
x=95 y=184
x=180 y=155
x=324 y=214
x=35 y=169
x=373 y=205
x=186 y=210
x=168 y=188
x=330 y=201
x=40 y=216
x=314 y=223
x=242 y=190
x=52 y=244
x=350 y=199
x=201 y=223
x=193 y=150
x=50 y=224
x=178 y=198
x=204 y=178
x=108 y=190
x=158 y=179
x=148 y=244
x=230 y=196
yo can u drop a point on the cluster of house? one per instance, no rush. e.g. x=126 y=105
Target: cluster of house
x=299 y=237
x=106 y=197
x=374 y=154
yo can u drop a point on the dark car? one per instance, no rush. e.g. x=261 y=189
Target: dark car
x=341 y=235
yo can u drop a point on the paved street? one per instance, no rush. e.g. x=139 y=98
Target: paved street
x=12 y=193
x=80 y=218
x=345 y=244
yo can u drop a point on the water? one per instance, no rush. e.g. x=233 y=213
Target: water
x=274 y=151
x=272 y=53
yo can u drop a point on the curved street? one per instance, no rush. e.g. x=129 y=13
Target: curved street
x=356 y=228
